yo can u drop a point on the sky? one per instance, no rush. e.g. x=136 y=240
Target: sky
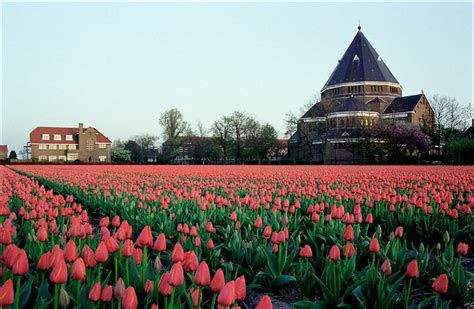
x=119 y=66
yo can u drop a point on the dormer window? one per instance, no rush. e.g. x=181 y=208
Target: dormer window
x=68 y=137
x=57 y=137
x=45 y=137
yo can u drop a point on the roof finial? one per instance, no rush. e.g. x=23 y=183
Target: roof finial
x=359 y=27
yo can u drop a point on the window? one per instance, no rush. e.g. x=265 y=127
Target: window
x=57 y=137
x=42 y=146
x=53 y=147
x=90 y=144
x=52 y=158
x=63 y=147
x=42 y=158
x=45 y=137
x=72 y=156
x=102 y=146
x=69 y=137
x=102 y=158
x=62 y=158
x=71 y=147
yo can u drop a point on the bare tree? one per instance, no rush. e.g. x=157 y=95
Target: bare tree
x=449 y=115
x=221 y=129
x=202 y=131
x=146 y=141
x=241 y=125
x=173 y=124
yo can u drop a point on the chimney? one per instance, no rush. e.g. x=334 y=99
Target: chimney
x=472 y=125
x=81 y=128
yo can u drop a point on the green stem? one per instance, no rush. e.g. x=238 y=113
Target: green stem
x=279 y=259
x=144 y=262
x=116 y=267
x=408 y=293
x=56 y=296
x=127 y=278
x=172 y=298
x=214 y=297
x=78 y=291
x=166 y=302
x=17 y=293
x=199 y=297
x=99 y=272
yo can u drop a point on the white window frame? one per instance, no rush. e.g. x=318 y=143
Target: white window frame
x=71 y=147
x=62 y=146
x=57 y=137
x=102 y=158
x=52 y=158
x=42 y=146
x=45 y=137
x=69 y=137
x=72 y=156
x=53 y=147
x=42 y=158
x=102 y=146
x=62 y=158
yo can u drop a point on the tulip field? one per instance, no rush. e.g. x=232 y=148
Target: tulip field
x=105 y=236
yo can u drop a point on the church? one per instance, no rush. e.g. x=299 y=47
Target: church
x=360 y=92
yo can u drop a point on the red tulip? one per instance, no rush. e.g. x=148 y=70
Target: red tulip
x=106 y=295
x=267 y=232
x=70 y=251
x=59 y=273
x=119 y=289
x=202 y=276
x=240 y=288
x=176 y=275
x=218 y=282
x=348 y=250
x=386 y=267
x=374 y=246
x=160 y=243
x=42 y=234
x=306 y=252
x=177 y=254
x=44 y=262
x=116 y=221
x=20 y=267
x=227 y=294
x=101 y=253
x=349 y=233
x=164 y=288
x=369 y=219
x=127 y=249
x=210 y=244
x=95 y=291
x=412 y=269
x=145 y=239
x=137 y=256
x=190 y=261
x=440 y=285
x=129 y=300
x=149 y=286
x=264 y=303
x=79 y=270
x=334 y=253
x=7 y=293
x=258 y=223
x=399 y=231
x=462 y=248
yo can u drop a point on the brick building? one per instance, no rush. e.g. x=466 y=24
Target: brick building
x=360 y=92
x=69 y=144
x=3 y=152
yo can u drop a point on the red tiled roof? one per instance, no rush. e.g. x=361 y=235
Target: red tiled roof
x=37 y=134
x=3 y=148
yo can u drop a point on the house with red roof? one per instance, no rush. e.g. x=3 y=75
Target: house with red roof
x=3 y=152
x=52 y=144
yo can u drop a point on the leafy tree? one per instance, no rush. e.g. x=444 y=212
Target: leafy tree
x=120 y=155
x=173 y=124
x=460 y=151
x=13 y=155
x=261 y=140
x=136 y=151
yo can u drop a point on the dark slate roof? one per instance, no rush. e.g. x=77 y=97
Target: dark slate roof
x=360 y=62
x=469 y=133
x=403 y=104
x=350 y=104
x=344 y=133
x=317 y=110
x=376 y=100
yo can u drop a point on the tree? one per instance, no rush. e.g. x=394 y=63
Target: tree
x=450 y=116
x=119 y=153
x=241 y=126
x=13 y=155
x=221 y=129
x=397 y=138
x=173 y=124
x=261 y=140
x=136 y=151
x=201 y=130
x=145 y=141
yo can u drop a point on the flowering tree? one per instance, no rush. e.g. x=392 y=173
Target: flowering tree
x=400 y=138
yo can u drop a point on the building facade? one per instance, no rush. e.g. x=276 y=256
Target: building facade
x=360 y=92
x=3 y=152
x=53 y=144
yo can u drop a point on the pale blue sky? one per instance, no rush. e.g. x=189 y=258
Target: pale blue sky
x=118 y=66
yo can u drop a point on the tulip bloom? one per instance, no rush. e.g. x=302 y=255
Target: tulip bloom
x=348 y=250
x=386 y=267
x=101 y=253
x=119 y=288
x=227 y=295
x=264 y=303
x=218 y=282
x=160 y=243
x=306 y=252
x=334 y=253
x=176 y=275
x=59 y=273
x=79 y=270
x=177 y=255
x=462 y=248
x=440 y=285
x=412 y=269
x=106 y=295
x=374 y=246
x=145 y=239
x=349 y=233
x=190 y=261
x=202 y=276
x=94 y=293
x=164 y=288
x=20 y=267
x=129 y=299
x=7 y=293
x=70 y=251
x=240 y=288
